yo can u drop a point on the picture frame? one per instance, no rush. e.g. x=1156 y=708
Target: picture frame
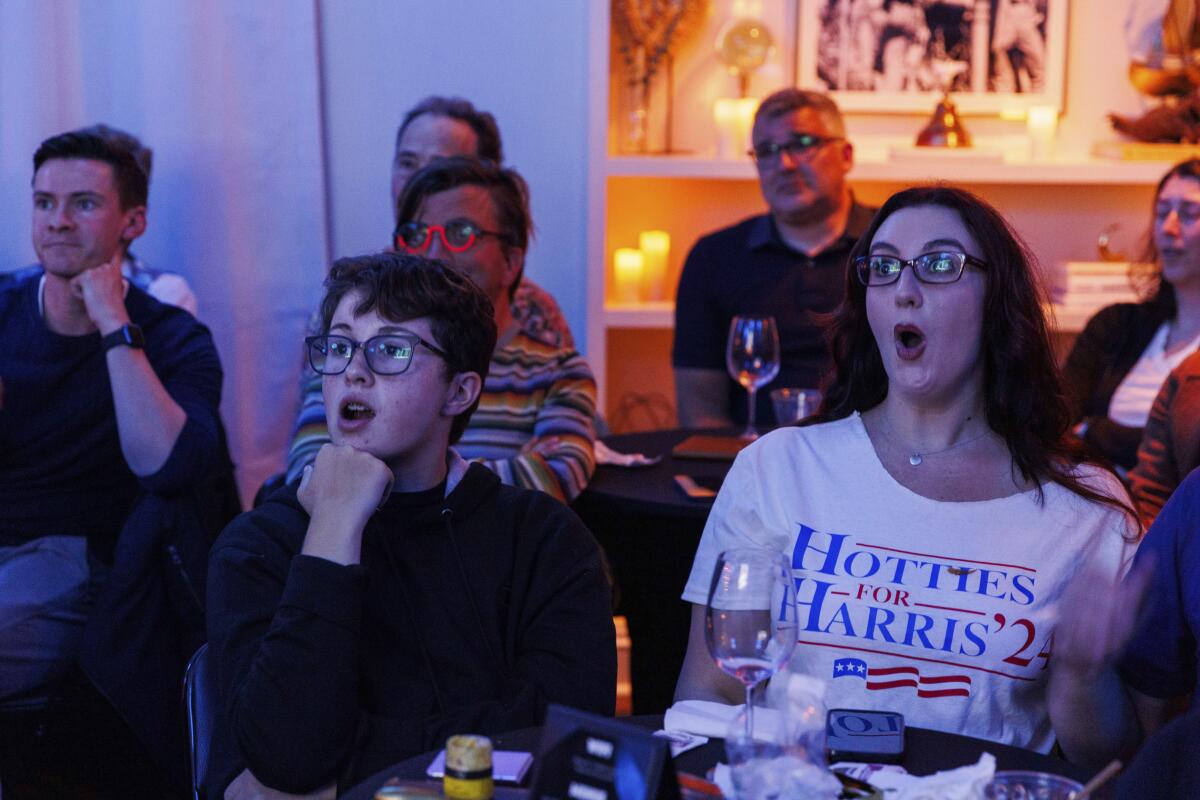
x=892 y=56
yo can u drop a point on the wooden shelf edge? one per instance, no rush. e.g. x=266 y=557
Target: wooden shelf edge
x=1092 y=171
x=640 y=315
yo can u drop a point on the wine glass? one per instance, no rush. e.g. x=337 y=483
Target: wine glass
x=752 y=358
x=750 y=622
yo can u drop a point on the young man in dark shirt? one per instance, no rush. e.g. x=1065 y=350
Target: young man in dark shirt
x=108 y=426
x=398 y=595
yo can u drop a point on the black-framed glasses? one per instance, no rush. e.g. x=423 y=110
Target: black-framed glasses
x=800 y=146
x=458 y=235
x=938 y=267
x=389 y=354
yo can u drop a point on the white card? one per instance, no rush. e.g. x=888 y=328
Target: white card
x=508 y=766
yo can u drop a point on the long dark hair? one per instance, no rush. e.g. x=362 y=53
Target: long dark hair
x=1145 y=275
x=1023 y=395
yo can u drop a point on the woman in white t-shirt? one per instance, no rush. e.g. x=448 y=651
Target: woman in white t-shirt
x=1126 y=351
x=937 y=509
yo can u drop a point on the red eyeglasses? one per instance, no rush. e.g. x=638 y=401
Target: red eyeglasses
x=457 y=236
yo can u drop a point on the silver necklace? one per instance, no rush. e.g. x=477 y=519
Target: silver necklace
x=916 y=458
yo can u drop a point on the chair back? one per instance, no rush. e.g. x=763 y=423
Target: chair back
x=199 y=709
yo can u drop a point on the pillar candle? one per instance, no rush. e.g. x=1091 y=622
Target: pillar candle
x=629 y=270
x=734 y=116
x=1042 y=122
x=655 y=245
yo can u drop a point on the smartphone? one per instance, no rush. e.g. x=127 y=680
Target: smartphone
x=698 y=488
x=873 y=737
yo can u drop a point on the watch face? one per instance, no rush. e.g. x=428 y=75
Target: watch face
x=134 y=336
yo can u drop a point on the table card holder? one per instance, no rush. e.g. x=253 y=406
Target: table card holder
x=588 y=757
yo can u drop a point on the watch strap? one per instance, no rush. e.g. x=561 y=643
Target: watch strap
x=127 y=335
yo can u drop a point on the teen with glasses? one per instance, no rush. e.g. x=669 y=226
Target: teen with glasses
x=534 y=424
x=789 y=263
x=398 y=595
x=935 y=509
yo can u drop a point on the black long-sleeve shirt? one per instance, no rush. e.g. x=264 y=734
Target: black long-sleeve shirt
x=468 y=613
x=1109 y=346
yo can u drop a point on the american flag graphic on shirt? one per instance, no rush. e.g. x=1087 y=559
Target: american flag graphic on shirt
x=878 y=678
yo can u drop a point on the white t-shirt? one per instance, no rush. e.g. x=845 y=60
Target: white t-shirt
x=1134 y=396
x=942 y=611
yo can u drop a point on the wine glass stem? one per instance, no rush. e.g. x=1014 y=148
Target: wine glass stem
x=749 y=711
x=751 y=431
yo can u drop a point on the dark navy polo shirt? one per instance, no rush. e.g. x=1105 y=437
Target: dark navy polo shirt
x=748 y=270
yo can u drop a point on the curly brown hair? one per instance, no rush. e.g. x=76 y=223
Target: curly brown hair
x=401 y=287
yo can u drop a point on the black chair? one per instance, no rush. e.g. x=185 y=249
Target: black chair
x=199 y=709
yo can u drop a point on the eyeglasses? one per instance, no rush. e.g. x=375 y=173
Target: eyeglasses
x=801 y=146
x=458 y=235
x=942 y=267
x=385 y=355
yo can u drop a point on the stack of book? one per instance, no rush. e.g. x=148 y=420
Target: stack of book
x=1089 y=287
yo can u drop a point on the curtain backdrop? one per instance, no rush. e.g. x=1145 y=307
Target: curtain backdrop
x=227 y=93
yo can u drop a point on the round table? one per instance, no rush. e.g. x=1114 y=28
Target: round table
x=652 y=489
x=650 y=529
x=925 y=752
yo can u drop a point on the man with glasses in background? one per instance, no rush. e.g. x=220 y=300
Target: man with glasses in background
x=789 y=264
x=399 y=595
x=534 y=424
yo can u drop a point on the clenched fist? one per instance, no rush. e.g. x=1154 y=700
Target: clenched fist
x=102 y=290
x=340 y=492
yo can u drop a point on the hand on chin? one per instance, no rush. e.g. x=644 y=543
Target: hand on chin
x=345 y=479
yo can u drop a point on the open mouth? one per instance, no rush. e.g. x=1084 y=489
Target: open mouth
x=353 y=411
x=910 y=342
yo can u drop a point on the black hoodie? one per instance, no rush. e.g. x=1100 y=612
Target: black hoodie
x=469 y=613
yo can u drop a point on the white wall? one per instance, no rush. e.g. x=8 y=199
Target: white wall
x=225 y=92
x=525 y=61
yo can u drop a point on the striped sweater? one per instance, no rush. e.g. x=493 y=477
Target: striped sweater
x=533 y=426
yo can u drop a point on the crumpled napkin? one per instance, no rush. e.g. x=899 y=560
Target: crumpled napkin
x=963 y=783
x=706 y=718
x=606 y=455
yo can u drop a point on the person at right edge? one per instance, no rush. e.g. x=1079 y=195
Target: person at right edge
x=1126 y=351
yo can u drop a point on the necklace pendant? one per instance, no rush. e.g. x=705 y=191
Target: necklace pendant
x=915 y=459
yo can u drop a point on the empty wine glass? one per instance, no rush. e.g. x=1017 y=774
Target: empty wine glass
x=752 y=358
x=750 y=622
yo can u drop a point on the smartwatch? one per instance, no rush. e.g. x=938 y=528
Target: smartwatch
x=128 y=335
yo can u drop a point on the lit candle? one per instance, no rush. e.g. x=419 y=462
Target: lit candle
x=629 y=268
x=734 y=116
x=655 y=245
x=1041 y=123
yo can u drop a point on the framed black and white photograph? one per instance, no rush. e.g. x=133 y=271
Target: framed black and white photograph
x=898 y=55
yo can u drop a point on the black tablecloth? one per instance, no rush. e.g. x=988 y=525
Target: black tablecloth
x=925 y=752
x=649 y=529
